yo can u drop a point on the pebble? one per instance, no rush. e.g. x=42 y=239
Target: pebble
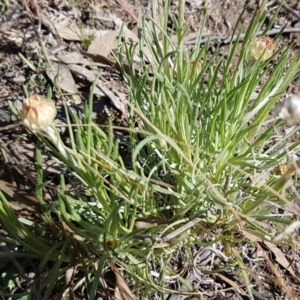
x=19 y=79
x=289 y=110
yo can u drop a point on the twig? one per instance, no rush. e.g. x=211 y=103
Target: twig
x=10 y=126
x=227 y=39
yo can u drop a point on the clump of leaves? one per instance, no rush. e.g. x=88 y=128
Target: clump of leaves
x=86 y=40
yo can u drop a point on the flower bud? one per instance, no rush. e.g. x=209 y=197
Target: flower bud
x=289 y=110
x=38 y=112
x=263 y=47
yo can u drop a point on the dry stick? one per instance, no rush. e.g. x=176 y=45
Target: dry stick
x=10 y=126
x=228 y=39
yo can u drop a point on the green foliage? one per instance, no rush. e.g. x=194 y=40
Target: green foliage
x=86 y=40
x=4 y=5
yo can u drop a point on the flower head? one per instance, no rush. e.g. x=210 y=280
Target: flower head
x=263 y=47
x=38 y=112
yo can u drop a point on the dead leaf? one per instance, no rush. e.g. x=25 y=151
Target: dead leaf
x=122 y=290
x=280 y=257
x=61 y=76
x=74 y=33
x=100 y=89
x=100 y=59
x=231 y=282
x=253 y=238
x=63 y=27
x=279 y=277
x=50 y=26
x=21 y=198
x=286 y=169
x=115 y=100
x=72 y=58
x=69 y=274
x=104 y=60
x=72 y=233
x=106 y=43
x=281 y=169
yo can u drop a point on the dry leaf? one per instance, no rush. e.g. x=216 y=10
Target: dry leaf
x=22 y=198
x=104 y=60
x=69 y=275
x=100 y=89
x=64 y=28
x=280 y=257
x=72 y=58
x=231 y=282
x=122 y=290
x=99 y=59
x=253 y=238
x=4 y=97
x=115 y=100
x=106 y=43
x=72 y=233
x=74 y=33
x=281 y=169
x=61 y=76
x=117 y=295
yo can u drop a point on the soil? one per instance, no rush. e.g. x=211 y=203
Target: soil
x=21 y=31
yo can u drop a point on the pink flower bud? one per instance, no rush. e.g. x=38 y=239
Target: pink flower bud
x=263 y=47
x=38 y=112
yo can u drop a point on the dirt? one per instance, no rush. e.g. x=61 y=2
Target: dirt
x=19 y=40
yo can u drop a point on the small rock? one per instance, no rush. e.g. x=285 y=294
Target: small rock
x=19 y=79
x=289 y=110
